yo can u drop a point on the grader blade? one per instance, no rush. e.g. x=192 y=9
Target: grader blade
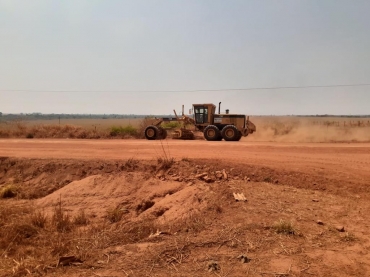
x=183 y=134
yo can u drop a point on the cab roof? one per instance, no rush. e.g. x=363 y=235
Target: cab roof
x=205 y=104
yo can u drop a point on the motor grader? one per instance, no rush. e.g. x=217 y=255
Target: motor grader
x=215 y=127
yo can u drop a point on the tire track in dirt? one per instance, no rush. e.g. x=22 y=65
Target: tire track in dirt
x=338 y=165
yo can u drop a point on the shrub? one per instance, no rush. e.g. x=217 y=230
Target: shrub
x=284 y=227
x=171 y=125
x=122 y=131
x=29 y=136
x=61 y=220
x=25 y=230
x=38 y=219
x=132 y=163
x=165 y=162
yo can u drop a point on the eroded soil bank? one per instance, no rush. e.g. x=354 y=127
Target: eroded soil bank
x=169 y=217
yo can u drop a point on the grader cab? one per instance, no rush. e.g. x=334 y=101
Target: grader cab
x=215 y=127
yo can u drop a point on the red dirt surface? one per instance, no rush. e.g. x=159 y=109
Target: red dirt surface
x=202 y=228
x=344 y=165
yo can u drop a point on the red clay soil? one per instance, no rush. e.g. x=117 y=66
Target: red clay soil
x=343 y=165
x=181 y=219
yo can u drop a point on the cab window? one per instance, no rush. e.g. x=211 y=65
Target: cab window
x=201 y=115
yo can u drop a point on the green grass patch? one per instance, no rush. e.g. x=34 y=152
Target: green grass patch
x=128 y=130
x=171 y=125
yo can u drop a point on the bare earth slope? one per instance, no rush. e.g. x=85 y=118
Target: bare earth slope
x=202 y=231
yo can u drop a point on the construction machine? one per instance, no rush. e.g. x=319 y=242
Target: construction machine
x=215 y=127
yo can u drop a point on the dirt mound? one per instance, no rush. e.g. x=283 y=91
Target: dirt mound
x=37 y=178
x=178 y=218
x=128 y=192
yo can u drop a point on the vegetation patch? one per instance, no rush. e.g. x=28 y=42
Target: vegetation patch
x=123 y=131
x=114 y=215
x=284 y=227
x=171 y=125
x=29 y=136
x=38 y=219
x=348 y=237
x=60 y=219
x=9 y=191
x=81 y=218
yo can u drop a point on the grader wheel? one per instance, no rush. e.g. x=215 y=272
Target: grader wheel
x=212 y=133
x=162 y=133
x=230 y=133
x=151 y=132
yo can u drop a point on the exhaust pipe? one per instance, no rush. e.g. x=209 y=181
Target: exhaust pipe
x=219 y=108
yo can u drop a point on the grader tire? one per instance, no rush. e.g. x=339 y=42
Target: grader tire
x=239 y=136
x=163 y=133
x=212 y=133
x=230 y=133
x=151 y=132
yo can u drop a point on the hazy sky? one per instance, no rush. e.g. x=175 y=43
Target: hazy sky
x=117 y=45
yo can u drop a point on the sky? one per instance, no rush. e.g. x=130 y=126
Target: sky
x=150 y=57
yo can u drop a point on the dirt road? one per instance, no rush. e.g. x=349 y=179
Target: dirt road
x=343 y=162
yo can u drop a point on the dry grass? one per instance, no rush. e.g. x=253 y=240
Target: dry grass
x=81 y=218
x=78 y=129
x=9 y=191
x=60 y=219
x=164 y=158
x=274 y=128
x=185 y=159
x=26 y=233
x=132 y=163
x=114 y=214
x=86 y=123
x=24 y=245
x=284 y=227
x=213 y=233
x=349 y=237
x=165 y=162
x=38 y=219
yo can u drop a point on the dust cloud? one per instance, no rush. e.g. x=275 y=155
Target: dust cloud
x=293 y=129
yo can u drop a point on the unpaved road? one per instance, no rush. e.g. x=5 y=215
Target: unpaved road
x=344 y=161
